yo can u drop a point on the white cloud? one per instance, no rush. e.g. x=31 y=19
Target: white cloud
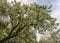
x=26 y=1
x=56 y=2
x=56 y=10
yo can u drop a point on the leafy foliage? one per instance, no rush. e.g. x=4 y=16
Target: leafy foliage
x=17 y=28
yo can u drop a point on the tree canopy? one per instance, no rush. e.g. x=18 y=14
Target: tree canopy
x=19 y=23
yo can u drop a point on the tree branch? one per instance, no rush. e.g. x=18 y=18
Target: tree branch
x=12 y=36
x=9 y=37
x=13 y=29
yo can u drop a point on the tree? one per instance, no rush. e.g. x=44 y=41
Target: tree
x=18 y=23
x=55 y=38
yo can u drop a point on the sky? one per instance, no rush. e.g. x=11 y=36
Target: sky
x=55 y=7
